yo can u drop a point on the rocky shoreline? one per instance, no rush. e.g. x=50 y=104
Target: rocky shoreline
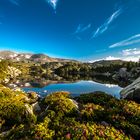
x=132 y=92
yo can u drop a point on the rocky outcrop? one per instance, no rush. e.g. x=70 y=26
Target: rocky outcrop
x=36 y=107
x=132 y=91
x=13 y=72
x=10 y=73
x=123 y=72
x=122 y=75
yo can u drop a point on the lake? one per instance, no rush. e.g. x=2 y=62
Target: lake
x=77 y=88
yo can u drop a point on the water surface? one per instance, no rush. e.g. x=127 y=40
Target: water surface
x=78 y=88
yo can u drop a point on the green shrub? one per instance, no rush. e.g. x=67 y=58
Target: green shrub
x=100 y=98
x=64 y=119
x=14 y=108
x=60 y=103
x=42 y=132
x=84 y=131
x=89 y=111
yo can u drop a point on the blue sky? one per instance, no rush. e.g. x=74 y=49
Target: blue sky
x=86 y=30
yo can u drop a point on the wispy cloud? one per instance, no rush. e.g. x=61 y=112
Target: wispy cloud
x=53 y=3
x=132 y=58
x=112 y=58
x=108 y=58
x=130 y=41
x=130 y=52
x=15 y=2
x=126 y=55
x=100 y=30
x=81 y=28
x=81 y=31
x=124 y=58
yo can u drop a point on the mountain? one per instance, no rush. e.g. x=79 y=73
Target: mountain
x=42 y=58
x=107 y=62
x=7 y=54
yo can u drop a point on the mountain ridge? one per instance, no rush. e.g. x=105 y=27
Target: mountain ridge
x=43 y=58
x=35 y=57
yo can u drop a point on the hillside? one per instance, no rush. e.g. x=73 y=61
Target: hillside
x=108 y=62
x=27 y=57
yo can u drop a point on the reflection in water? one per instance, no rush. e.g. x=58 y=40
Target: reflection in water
x=110 y=85
x=78 y=88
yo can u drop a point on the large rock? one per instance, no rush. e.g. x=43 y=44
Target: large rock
x=132 y=91
x=36 y=107
x=29 y=113
x=123 y=73
x=12 y=86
